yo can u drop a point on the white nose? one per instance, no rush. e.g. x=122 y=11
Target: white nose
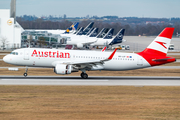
x=6 y=59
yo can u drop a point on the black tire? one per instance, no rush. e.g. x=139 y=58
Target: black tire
x=25 y=74
x=84 y=75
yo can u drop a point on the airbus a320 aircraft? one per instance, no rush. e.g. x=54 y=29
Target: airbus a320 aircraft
x=71 y=30
x=68 y=61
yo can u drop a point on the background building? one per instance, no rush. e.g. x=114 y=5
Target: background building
x=10 y=30
x=42 y=39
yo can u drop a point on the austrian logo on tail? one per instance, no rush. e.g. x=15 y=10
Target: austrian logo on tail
x=161 y=43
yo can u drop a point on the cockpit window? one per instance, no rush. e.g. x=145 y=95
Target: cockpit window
x=14 y=53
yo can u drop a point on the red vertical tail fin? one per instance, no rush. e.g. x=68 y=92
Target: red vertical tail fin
x=156 y=52
x=160 y=44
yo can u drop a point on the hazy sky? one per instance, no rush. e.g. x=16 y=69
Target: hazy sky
x=82 y=8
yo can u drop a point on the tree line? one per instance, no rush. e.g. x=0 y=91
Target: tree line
x=131 y=29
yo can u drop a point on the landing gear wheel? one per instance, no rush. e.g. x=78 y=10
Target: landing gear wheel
x=25 y=74
x=84 y=75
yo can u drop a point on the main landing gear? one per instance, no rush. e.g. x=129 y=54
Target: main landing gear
x=84 y=75
x=25 y=74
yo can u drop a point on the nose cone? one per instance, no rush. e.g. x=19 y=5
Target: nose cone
x=6 y=59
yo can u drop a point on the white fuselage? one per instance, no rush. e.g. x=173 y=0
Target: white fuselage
x=83 y=39
x=35 y=57
x=49 y=31
x=86 y=40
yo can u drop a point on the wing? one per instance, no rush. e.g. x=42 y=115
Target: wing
x=89 y=64
x=89 y=42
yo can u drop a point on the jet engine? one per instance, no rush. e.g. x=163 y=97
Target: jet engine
x=79 y=45
x=62 y=69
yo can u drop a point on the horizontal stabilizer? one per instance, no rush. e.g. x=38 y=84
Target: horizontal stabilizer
x=163 y=59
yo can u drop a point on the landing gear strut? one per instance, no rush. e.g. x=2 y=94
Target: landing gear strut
x=84 y=75
x=25 y=74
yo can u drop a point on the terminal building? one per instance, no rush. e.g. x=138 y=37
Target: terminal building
x=10 y=30
x=13 y=36
x=41 y=39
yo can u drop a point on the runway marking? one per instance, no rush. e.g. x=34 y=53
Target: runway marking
x=55 y=80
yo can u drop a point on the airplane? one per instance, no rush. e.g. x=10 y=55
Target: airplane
x=81 y=31
x=92 y=39
x=109 y=40
x=89 y=31
x=88 y=28
x=72 y=29
x=68 y=61
x=81 y=41
x=102 y=33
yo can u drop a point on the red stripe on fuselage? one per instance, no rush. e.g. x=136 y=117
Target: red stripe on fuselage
x=150 y=54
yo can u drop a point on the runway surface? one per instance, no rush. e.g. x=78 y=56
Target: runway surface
x=155 y=67
x=92 y=80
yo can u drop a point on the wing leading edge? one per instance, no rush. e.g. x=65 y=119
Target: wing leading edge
x=88 y=64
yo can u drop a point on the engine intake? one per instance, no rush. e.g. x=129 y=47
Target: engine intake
x=79 y=45
x=63 y=69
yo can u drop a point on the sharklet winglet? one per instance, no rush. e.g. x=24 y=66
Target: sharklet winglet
x=103 y=49
x=111 y=56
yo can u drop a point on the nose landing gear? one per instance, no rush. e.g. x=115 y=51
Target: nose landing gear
x=25 y=74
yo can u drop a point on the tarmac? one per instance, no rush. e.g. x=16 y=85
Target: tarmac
x=91 y=81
